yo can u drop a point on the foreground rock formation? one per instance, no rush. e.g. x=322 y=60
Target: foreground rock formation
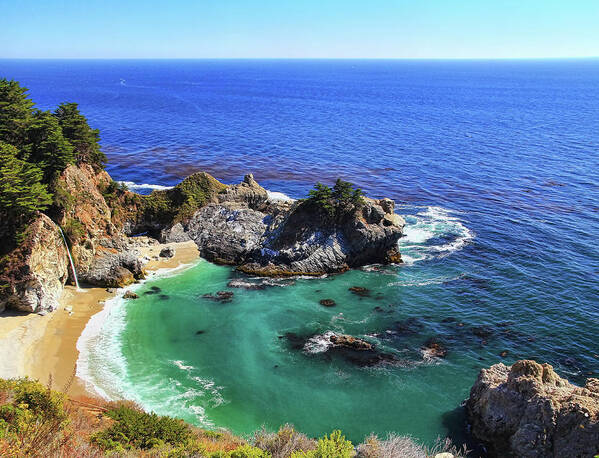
x=34 y=274
x=527 y=410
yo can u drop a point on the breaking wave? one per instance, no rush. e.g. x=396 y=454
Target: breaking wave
x=433 y=233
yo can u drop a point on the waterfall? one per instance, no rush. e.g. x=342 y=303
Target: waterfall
x=70 y=258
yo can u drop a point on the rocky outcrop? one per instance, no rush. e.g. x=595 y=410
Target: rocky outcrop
x=527 y=410
x=34 y=274
x=103 y=255
x=286 y=238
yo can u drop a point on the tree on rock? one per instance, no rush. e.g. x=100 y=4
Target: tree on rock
x=84 y=139
x=22 y=192
x=15 y=112
x=47 y=146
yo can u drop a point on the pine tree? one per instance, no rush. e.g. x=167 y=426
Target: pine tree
x=47 y=146
x=84 y=139
x=15 y=113
x=21 y=191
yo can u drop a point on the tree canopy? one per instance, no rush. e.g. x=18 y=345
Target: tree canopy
x=35 y=147
x=342 y=198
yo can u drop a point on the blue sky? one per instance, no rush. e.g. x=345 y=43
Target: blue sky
x=299 y=28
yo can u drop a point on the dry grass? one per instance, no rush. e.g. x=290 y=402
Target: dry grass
x=284 y=442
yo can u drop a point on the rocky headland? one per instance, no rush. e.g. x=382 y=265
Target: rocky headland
x=237 y=225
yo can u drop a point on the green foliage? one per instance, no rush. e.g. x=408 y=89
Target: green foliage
x=135 y=429
x=84 y=139
x=333 y=446
x=35 y=147
x=47 y=146
x=21 y=190
x=247 y=451
x=15 y=113
x=341 y=199
x=73 y=229
x=183 y=200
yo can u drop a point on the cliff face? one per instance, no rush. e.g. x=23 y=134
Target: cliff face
x=34 y=274
x=527 y=410
x=102 y=254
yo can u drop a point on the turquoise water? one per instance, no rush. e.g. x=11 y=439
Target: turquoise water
x=230 y=365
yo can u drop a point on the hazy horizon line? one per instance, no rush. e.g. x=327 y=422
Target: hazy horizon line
x=307 y=58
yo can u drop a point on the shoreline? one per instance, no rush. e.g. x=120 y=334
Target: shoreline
x=45 y=347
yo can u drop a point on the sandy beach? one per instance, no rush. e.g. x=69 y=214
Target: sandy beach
x=45 y=347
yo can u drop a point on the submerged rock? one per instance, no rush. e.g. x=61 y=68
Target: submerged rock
x=434 y=348
x=328 y=302
x=528 y=411
x=222 y=297
x=360 y=291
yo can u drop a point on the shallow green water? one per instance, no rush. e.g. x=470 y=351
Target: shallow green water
x=230 y=365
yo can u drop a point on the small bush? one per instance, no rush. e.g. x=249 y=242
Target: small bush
x=284 y=442
x=247 y=451
x=333 y=446
x=393 y=446
x=139 y=430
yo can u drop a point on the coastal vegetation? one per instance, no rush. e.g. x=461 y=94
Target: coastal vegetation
x=341 y=199
x=35 y=147
x=37 y=421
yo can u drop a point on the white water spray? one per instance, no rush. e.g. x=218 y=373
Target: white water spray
x=70 y=259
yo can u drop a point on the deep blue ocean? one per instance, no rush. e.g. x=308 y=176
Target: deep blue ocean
x=494 y=164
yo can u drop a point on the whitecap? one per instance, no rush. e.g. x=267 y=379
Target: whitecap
x=275 y=196
x=132 y=185
x=431 y=233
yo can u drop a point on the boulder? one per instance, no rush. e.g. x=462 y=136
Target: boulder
x=528 y=411
x=167 y=252
x=33 y=275
x=351 y=342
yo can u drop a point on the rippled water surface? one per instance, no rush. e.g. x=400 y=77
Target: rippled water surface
x=494 y=165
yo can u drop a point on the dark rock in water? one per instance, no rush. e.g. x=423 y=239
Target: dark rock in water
x=360 y=291
x=448 y=320
x=153 y=290
x=167 y=252
x=343 y=340
x=130 y=295
x=528 y=411
x=200 y=332
x=163 y=297
x=328 y=302
x=378 y=309
x=408 y=326
x=482 y=331
x=368 y=358
x=504 y=353
x=297 y=342
x=434 y=348
x=222 y=297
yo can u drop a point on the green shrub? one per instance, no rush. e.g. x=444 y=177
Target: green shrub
x=284 y=442
x=333 y=446
x=341 y=199
x=139 y=430
x=247 y=451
